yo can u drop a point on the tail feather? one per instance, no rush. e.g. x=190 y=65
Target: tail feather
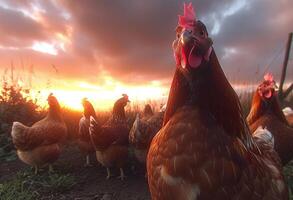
x=134 y=131
x=264 y=135
x=94 y=129
x=18 y=130
x=84 y=125
x=26 y=138
x=287 y=111
x=94 y=125
x=19 y=134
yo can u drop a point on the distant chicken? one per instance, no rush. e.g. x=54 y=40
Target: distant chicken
x=84 y=140
x=266 y=112
x=147 y=111
x=39 y=145
x=111 y=139
x=143 y=131
x=205 y=149
x=288 y=112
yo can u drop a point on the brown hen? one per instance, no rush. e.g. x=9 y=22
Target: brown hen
x=204 y=149
x=111 y=139
x=143 y=131
x=84 y=140
x=39 y=145
x=266 y=112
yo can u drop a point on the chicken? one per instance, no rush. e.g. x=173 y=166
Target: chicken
x=205 y=149
x=148 y=111
x=288 y=112
x=266 y=112
x=142 y=133
x=111 y=139
x=40 y=144
x=84 y=140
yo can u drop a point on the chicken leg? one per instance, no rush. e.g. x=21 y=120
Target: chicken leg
x=36 y=170
x=88 y=163
x=108 y=173
x=122 y=176
x=51 y=170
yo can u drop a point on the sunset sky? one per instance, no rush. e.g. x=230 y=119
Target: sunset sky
x=100 y=48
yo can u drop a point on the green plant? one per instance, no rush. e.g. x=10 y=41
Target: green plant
x=52 y=183
x=16 y=189
x=26 y=185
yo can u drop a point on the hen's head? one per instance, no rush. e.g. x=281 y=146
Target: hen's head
x=148 y=111
x=119 y=105
x=139 y=133
x=267 y=89
x=265 y=101
x=192 y=45
x=124 y=99
x=52 y=101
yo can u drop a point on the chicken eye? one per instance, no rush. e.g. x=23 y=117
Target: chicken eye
x=201 y=33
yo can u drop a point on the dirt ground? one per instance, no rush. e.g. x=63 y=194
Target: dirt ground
x=90 y=181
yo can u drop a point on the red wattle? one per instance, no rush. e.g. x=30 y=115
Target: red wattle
x=184 y=58
x=194 y=60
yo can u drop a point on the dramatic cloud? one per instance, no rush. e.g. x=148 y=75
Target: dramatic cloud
x=130 y=40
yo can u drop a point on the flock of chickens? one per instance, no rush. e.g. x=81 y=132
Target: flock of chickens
x=199 y=147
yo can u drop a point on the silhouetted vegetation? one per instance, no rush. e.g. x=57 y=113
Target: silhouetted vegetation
x=15 y=105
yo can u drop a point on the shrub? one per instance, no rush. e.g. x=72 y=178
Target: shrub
x=14 y=106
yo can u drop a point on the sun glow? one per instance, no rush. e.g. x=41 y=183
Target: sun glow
x=102 y=97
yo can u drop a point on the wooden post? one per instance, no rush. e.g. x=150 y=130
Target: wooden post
x=283 y=94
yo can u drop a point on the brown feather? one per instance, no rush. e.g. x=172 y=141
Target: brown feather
x=268 y=114
x=192 y=158
x=289 y=119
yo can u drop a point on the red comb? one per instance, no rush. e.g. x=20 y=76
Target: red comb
x=268 y=77
x=188 y=18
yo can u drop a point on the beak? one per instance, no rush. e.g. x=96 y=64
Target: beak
x=186 y=37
